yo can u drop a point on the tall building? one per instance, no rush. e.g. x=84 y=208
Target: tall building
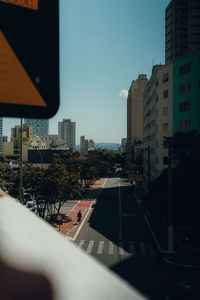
x=182 y=28
x=186 y=92
x=123 y=145
x=90 y=144
x=158 y=97
x=83 y=146
x=67 y=132
x=1 y=135
x=135 y=114
x=12 y=149
x=15 y=131
x=40 y=127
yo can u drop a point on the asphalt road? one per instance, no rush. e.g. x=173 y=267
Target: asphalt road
x=115 y=234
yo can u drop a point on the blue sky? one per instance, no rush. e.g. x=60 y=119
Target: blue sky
x=104 y=45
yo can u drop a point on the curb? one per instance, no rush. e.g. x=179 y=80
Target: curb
x=162 y=252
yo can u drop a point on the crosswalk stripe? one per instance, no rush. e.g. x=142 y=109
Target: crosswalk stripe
x=100 y=247
x=110 y=248
x=89 y=248
x=132 y=249
x=81 y=243
x=142 y=248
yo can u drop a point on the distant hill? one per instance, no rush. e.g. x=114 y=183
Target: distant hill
x=107 y=146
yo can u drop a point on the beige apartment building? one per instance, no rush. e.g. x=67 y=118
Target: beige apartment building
x=135 y=114
x=157 y=121
x=12 y=149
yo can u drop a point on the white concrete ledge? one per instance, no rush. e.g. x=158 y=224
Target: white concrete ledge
x=27 y=243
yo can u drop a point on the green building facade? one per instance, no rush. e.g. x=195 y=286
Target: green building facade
x=186 y=92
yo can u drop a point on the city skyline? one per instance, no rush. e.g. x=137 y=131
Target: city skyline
x=103 y=47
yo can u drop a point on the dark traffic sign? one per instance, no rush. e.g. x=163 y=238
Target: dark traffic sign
x=29 y=58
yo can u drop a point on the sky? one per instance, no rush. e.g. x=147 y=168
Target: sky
x=104 y=45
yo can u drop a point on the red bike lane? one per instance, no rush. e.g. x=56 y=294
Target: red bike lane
x=83 y=205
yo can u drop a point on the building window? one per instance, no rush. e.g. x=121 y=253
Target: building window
x=185 y=124
x=165 y=111
x=188 y=86
x=165 y=160
x=157 y=159
x=165 y=127
x=181 y=88
x=165 y=94
x=185 y=106
x=185 y=69
x=185 y=87
x=165 y=77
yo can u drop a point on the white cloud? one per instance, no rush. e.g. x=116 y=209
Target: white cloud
x=123 y=93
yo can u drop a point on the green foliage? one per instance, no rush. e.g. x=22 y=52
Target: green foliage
x=4 y=173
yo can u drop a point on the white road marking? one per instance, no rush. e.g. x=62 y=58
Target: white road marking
x=89 y=248
x=81 y=243
x=110 y=248
x=100 y=248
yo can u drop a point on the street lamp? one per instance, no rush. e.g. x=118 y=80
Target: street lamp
x=21 y=196
x=168 y=143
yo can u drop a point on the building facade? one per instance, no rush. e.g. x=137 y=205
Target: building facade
x=90 y=144
x=15 y=131
x=123 y=145
x=83 y=146
x=67 y=132
x=1 y=135
x=182 y=28
x=40 y=127
x=135 y=114
x=158 y=114
x=12 y=149
x=186 y=92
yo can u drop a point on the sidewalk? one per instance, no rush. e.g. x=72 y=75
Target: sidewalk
x=70 y=226
x=159 y=232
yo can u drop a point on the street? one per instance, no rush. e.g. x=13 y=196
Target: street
x=115 y=234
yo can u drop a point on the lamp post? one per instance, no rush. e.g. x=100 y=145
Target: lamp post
x=168 y=143
x=21 y=196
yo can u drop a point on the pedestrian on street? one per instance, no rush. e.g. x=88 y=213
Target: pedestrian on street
x=79 y=216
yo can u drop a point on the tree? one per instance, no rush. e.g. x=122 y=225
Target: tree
x=4 y=173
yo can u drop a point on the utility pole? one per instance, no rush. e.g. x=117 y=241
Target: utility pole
x=149 y=168
x=170 y=201
x=21 y=198
x=168 y=144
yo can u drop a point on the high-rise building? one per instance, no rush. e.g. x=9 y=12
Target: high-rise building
x=135 y=114
x=90 y=144
x=182 y=28
x=83 y=146
x=158 y=99
x=67 y=132
x=123 y=145
x=186 y=92
x=40 y=127
x=15 y=131
x=1 y=135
